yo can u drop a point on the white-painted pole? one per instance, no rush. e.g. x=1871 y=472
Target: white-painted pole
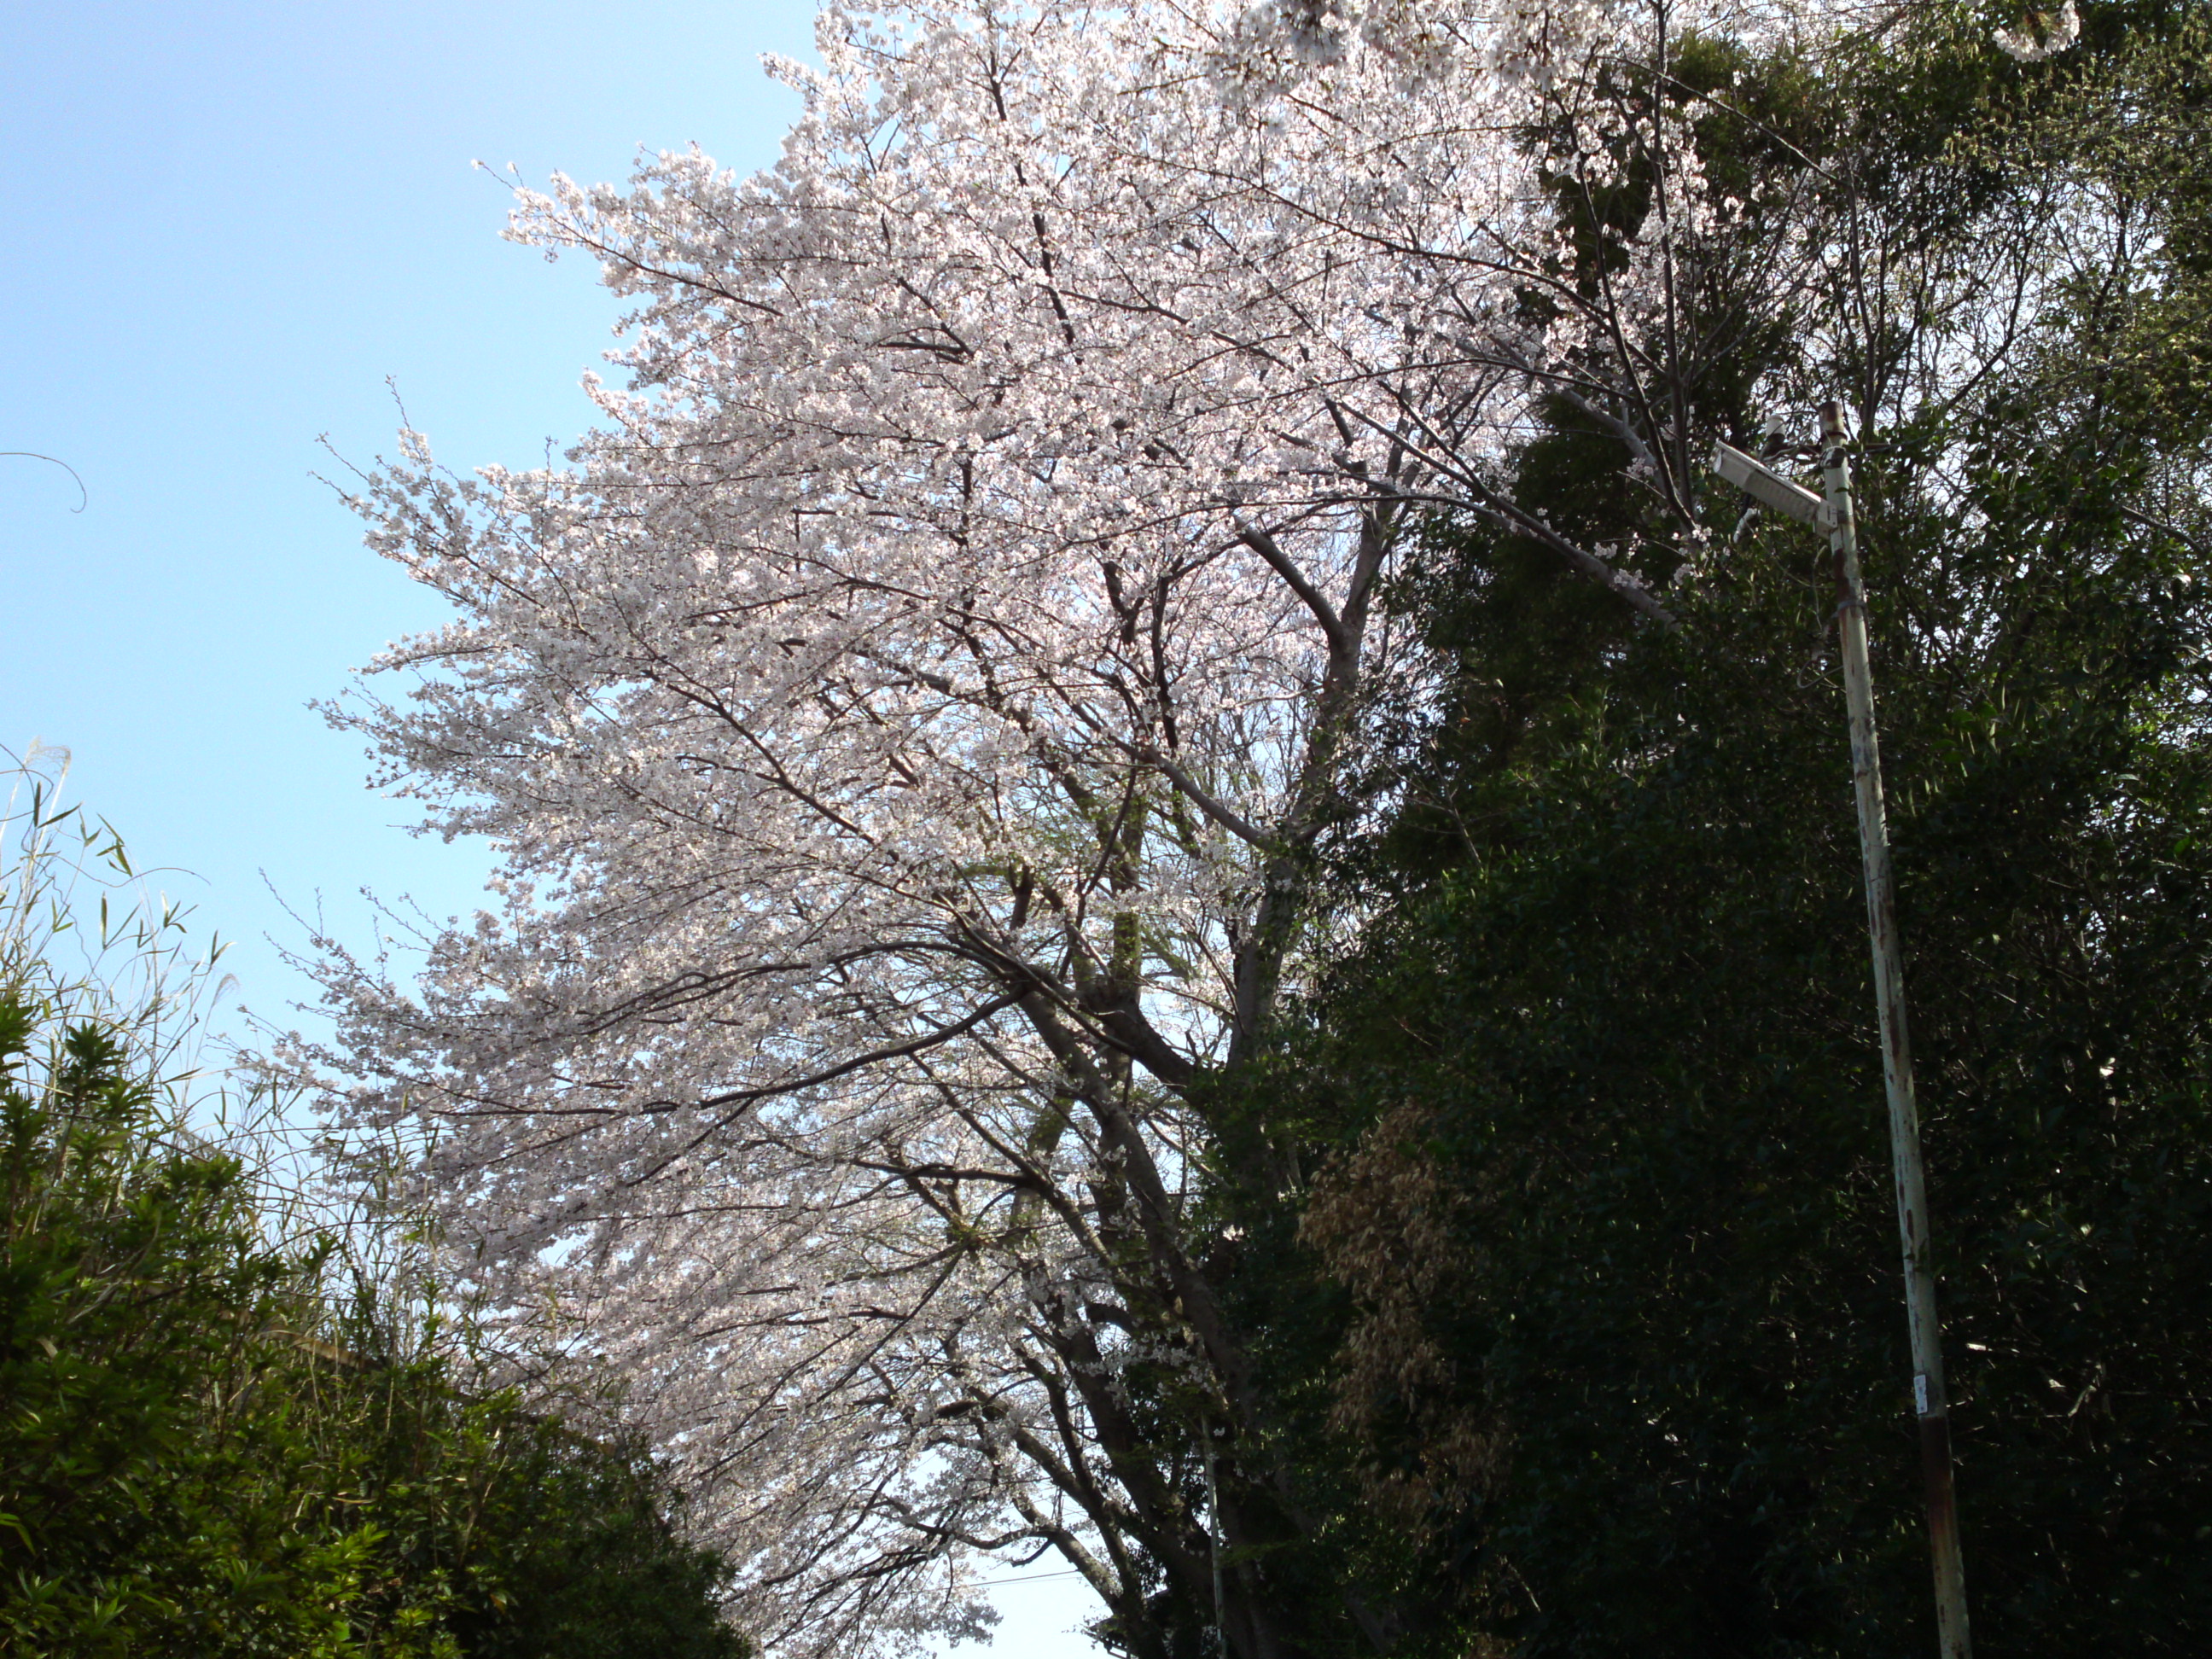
x=1928 y=1401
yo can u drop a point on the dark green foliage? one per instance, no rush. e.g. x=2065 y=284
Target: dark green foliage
x=575 y=1557
x=129 y=1293
x=198 y=1456
x=1589 y=1328
x=1635 y=1029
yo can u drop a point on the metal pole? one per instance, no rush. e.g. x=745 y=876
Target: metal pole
x=1927 y=1396
x=1213 y=1537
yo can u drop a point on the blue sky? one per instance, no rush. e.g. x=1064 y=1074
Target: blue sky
x=227 y=227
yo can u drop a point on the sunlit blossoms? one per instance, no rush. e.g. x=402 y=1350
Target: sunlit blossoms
x=2041 y=34
x=908 y=723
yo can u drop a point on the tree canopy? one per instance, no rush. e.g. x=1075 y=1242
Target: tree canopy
x=1609 y=1205
x=1145 y=648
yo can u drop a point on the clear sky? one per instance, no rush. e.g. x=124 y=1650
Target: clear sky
x=226 y=227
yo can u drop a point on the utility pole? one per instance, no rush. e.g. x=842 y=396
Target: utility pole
x=1834 y=514
x=1214 y=1540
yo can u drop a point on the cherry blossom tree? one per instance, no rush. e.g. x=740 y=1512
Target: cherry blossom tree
x=908 y=722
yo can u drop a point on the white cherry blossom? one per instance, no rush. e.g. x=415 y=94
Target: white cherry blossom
x=908 y=722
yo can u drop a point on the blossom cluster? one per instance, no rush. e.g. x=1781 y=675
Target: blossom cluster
x=907 y=719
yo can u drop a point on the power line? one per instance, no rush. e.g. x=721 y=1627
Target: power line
x=1032 y=1578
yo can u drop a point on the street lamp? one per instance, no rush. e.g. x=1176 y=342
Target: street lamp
x=1833 y=514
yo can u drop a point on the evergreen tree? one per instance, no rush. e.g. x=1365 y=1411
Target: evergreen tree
x=1602 y=1319
x=201 y=1452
